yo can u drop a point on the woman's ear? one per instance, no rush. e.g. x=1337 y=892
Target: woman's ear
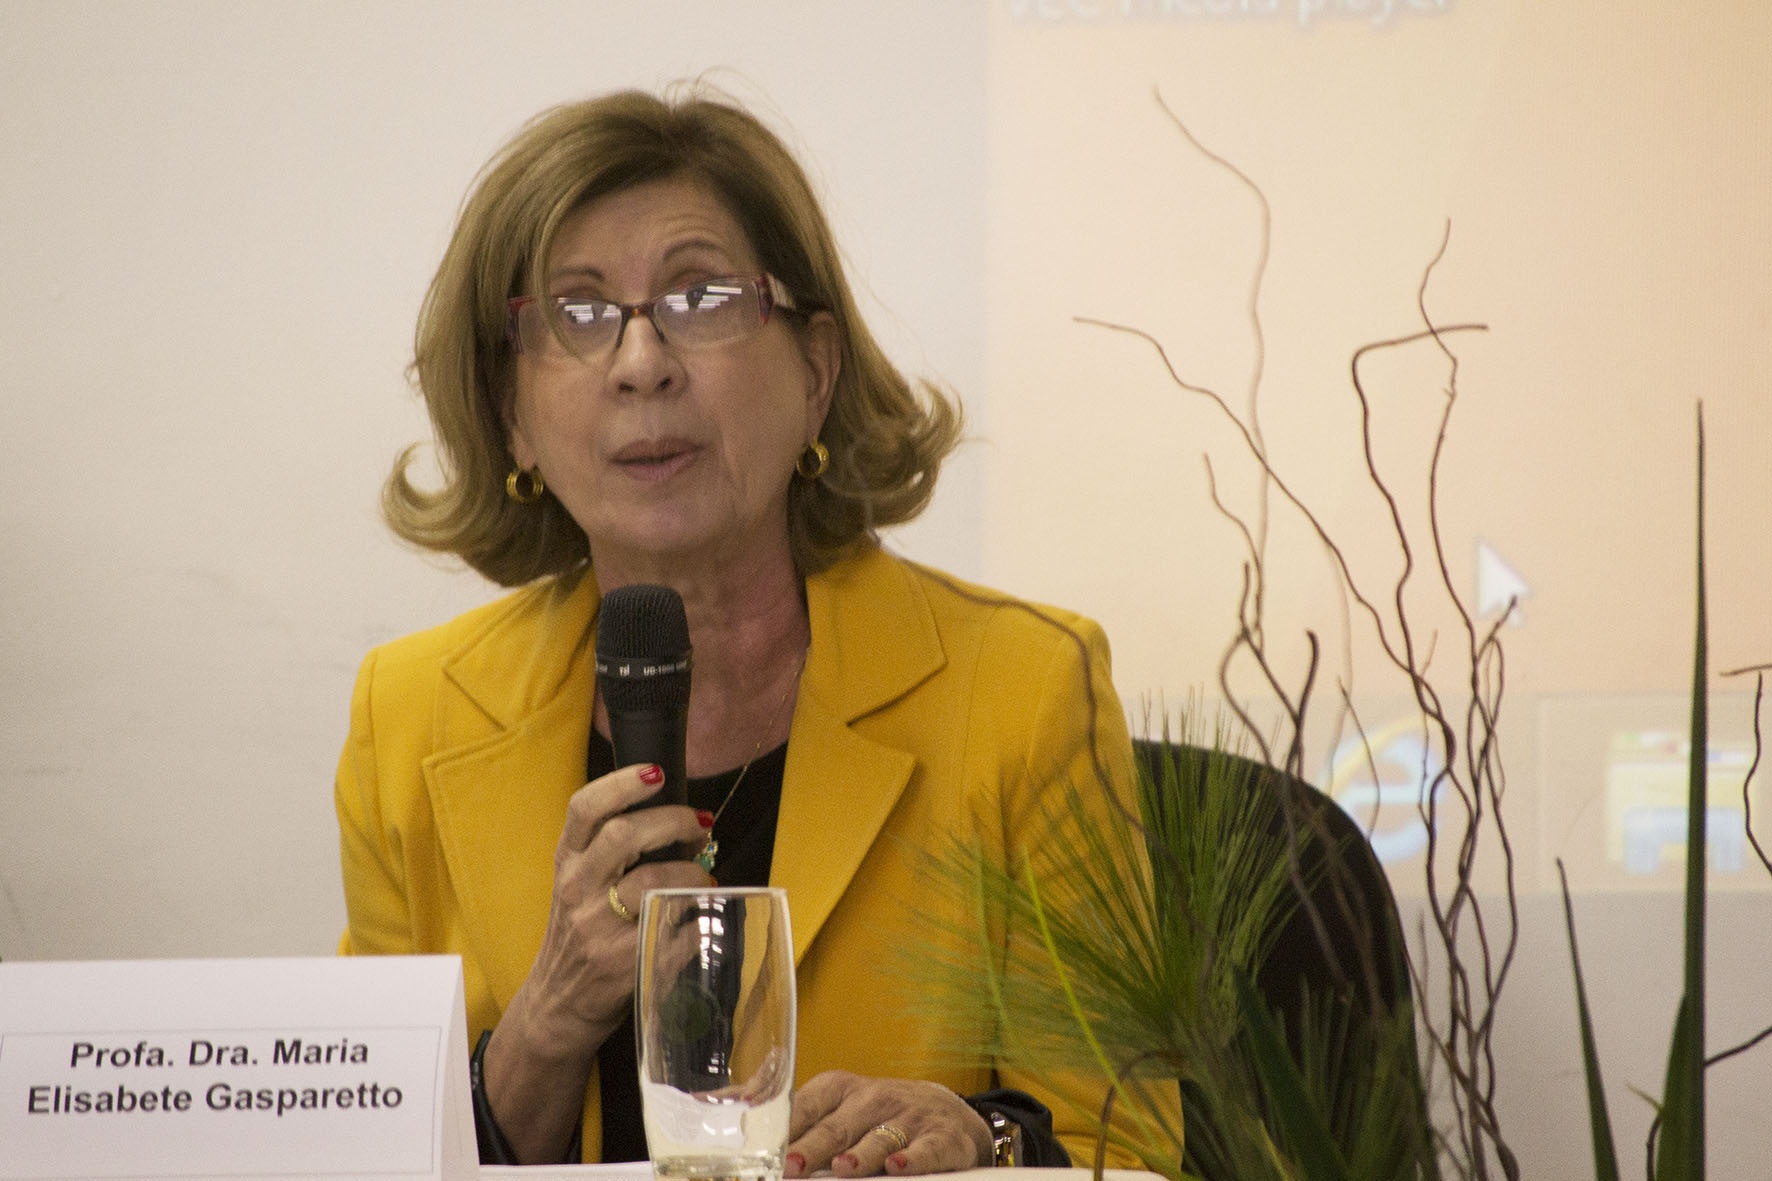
x=516 y=438
x=821 y=344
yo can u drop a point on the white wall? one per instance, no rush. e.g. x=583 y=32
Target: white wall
x=217 y=220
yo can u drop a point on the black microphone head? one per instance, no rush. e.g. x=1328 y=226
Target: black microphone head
x=643 y=649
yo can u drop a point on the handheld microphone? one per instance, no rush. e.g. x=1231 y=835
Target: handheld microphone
x=643 y=659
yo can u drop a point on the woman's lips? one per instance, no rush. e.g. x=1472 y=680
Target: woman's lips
x=655 y=461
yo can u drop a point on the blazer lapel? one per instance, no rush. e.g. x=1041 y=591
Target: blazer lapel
x=873 y=640
x=514 y=715
x=512 y=722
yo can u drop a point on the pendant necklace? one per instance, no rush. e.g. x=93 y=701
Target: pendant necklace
x=711 y=850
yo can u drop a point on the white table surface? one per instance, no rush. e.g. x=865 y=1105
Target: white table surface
x=644 y=1173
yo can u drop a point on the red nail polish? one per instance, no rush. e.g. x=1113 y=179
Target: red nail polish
x=796 y=1162
x=897 y=1160
x=652 y=774
x=846 y=1159
x=705 y=819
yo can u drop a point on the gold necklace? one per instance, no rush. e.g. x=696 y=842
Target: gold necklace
x=709 y=851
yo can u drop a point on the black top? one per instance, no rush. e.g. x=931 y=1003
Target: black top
x=746 y=833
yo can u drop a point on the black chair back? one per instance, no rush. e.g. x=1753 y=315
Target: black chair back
x=1342 y=944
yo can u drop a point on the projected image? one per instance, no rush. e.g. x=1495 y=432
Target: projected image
x=1646 y=776
x=1384 y=780
x=1194 y=234
x=1610 y=772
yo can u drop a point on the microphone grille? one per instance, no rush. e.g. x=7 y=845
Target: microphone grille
x=643 y=648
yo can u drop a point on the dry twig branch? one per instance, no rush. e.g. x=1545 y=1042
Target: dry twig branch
x=1470 y=771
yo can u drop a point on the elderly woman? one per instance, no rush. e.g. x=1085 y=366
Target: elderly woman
x=643 y=365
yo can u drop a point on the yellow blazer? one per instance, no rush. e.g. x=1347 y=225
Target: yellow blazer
x=927 y=708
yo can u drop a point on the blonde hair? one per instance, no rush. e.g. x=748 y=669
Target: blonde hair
x=886 y=439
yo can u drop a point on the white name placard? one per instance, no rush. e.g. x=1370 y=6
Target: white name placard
x=326 y=1067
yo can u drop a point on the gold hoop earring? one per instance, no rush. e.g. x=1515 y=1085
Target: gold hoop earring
x=524 y=487
x=813 y=461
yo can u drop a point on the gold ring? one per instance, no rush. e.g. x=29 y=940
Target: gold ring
x=896 y=1135
x=621 y=911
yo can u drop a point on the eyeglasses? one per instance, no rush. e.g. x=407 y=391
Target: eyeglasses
x=708 y=311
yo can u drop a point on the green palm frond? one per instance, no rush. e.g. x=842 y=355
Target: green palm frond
x=1110 y=955
x=1681 y=1153
x=1599 y=1121
x=1301 y=1122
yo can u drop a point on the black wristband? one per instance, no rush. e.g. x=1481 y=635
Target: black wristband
x=494 y=1148
x=1021 y=1129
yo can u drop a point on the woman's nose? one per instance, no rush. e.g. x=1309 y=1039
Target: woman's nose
x=642 y=361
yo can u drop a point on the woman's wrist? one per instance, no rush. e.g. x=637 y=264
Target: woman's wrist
x=533 y=1088
x=494 y=1148
x=1020 y=1128
x=544 y=1033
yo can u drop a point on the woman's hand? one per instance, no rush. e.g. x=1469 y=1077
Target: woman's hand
x=582 y=981
x=853 y=1125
